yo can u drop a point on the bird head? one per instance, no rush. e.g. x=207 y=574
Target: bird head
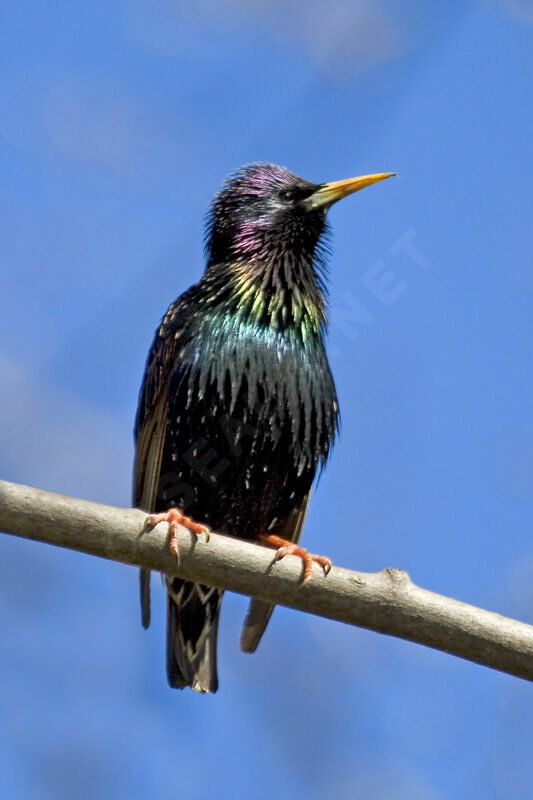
x=265 y=210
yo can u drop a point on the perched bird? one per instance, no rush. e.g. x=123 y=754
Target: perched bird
x=238 y=408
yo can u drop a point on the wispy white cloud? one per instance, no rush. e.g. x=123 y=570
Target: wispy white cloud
x=89 y=120
x=95 y=122
x=53 y=440
x=522 y=9
x=346 y=38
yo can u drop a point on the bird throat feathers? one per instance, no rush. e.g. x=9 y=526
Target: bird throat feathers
x=281 y=292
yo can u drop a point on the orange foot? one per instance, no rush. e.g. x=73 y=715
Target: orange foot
x=175 y=518
x=285 y=548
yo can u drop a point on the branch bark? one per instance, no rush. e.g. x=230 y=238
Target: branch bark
x=386 y=601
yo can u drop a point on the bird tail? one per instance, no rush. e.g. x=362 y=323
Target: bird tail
x=257 y=617
x=192 y=626
x=259 y=611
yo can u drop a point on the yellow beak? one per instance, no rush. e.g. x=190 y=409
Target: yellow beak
x=329 y=193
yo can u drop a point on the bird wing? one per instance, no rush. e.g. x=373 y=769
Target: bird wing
x=259 y=611
x=192 y=609
x=151 y=430
x=150 y=446
x=146 y=481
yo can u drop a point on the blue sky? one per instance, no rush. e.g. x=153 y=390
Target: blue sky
x=118 y=123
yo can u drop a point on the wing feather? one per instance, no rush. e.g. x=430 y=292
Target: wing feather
x=151 y=430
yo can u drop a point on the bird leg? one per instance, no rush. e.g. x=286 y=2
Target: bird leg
x=175 y=518
x=285 y=548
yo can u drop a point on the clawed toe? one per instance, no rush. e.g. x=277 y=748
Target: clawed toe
x=285 y=548
x=175 y=518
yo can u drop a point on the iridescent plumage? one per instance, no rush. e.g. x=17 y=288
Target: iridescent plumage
x=238 y=406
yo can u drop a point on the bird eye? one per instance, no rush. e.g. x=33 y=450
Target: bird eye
x=287 y=195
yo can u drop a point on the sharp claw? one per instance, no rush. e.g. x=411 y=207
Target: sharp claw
x=175 y=518
x=174 y=547
x=283 y=548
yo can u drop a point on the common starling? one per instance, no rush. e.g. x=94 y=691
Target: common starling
x=238 y=408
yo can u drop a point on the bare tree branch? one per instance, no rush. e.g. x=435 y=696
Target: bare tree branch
x=385 y=601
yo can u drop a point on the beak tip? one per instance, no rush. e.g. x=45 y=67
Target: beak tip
x=329 y=193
